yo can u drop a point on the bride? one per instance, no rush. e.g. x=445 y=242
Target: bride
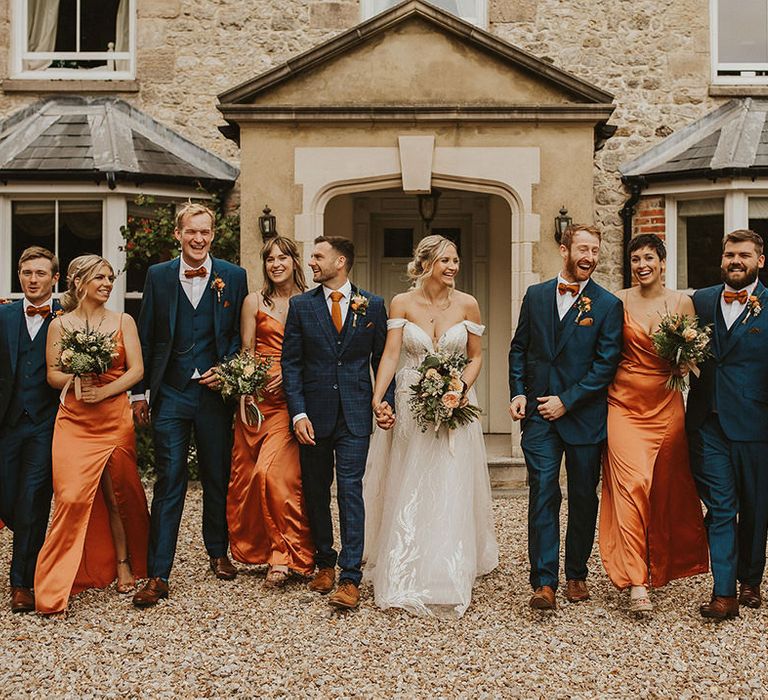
x=429 y=529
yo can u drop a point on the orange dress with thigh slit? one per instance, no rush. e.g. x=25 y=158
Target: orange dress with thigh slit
x=78 y=552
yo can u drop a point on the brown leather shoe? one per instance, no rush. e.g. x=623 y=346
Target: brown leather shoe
x=346 y=596
x=150 y=593
x=576 y=591
x=22 y=600
x=720 y=608
x=223 y=568
x=543 y=599
x=750 y=596
x=323 y=581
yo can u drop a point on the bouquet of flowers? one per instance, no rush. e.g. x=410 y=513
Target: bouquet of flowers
x=84 y=351
x=244 y=375
x=683 y=344
x=436 y=397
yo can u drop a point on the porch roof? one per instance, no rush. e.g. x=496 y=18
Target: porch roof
x=731 y=141
x=102 y=138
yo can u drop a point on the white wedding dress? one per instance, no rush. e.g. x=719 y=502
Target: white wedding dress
x=428 y=526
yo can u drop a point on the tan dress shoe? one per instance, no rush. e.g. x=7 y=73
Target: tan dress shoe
x=576 y=591
x=720 y=608
x=346 y=596
x=150 y=593
x=543 y=599
x=22 y=600
x=323 y=581
x=223 y=568
x=750 y=596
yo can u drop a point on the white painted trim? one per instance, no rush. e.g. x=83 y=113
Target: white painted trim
x=6 y=269
x=736 y=211
x=716 y=66
x=115 y=216
x=98 y=190
x=670 y=242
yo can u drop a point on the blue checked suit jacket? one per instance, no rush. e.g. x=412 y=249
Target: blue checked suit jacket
x=325 y=371
x=734 y=382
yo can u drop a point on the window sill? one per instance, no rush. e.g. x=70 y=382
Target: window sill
x=738 y=90
x=79 y=86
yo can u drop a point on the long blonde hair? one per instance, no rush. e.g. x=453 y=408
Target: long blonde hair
x=79 y=273
x=429 y=249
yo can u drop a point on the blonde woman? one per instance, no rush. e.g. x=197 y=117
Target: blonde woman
x=429 y=530
x=100 y=525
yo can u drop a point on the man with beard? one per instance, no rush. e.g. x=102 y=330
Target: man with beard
x=563 y=357
x=727 y=423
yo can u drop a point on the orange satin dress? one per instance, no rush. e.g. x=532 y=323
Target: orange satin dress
x=265 y=504
x=78 y=552
x=651 y=524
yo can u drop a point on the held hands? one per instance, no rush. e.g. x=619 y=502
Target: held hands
x=517 y=408
x=89 y=391
x=275 y=383
x=210 y=379
x=140 y=412
x=304 y=431
x=551 y=407
x=385 y=416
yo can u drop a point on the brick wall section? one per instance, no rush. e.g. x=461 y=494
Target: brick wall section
x=650 y=217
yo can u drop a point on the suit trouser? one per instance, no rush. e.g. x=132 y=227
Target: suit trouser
x=317 y=466
x=25 y=492
x=543 y=449
x=175 y=414
x=732 y=480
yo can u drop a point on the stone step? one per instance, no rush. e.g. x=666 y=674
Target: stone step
x=508 y=476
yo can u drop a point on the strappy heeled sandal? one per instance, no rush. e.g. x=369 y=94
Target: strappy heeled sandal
x=640 y=605
x=276 y=578
x=125 y=588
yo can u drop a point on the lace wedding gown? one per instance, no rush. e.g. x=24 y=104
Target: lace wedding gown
x=429 y=529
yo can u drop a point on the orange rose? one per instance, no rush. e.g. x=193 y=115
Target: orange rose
x=689 y=334
x=451 y=399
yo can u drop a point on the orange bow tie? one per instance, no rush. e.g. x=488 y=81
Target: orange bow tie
x=572 y=288
x=43 y=311
x=740 y=296
x=199 y=272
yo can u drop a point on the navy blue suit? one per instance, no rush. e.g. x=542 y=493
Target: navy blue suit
x=727 y=422
x=27 y=414
x=176 y=339
x=574 y=359
x=327 y=375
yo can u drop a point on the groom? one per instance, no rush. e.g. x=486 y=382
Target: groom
x=189 y=322
x=727 y=423
x=563 y=357
x=27 y=414
x=334 y=334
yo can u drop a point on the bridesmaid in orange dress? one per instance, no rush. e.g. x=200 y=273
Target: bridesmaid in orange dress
x=651 y=524
x=265 y=504
x=100 y=526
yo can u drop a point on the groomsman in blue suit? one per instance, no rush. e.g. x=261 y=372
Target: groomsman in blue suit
x=563 y=357
x=189 y=322
x=27 y=413
x=334 y=335
x=727 y=422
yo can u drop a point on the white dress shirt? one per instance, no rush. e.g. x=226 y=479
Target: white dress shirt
x=194 y=287
x=565 y=301
x=733 y=310
x=35 y=323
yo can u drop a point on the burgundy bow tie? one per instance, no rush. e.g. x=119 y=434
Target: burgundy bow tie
x=573 y=288
x=740 y=296
x=199 y=272
x=43 y=311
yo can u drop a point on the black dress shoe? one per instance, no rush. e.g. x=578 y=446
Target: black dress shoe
x=223 y=568
x=750 y=596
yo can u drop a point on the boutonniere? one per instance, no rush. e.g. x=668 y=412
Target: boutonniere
x=584 y=306
x=359 y=305
x=588 y=321
x=754 y=331
x=58 y=312
x=753 y=307
x=217 y=285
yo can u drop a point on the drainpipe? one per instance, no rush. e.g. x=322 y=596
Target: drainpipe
x=635 y=186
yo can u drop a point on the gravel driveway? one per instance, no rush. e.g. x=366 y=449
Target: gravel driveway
x=217 y=639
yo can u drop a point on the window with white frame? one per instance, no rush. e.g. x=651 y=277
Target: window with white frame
x=74 y=39
x=67 y=227
x=472 y=11
x=700 y=227
x=739 y=41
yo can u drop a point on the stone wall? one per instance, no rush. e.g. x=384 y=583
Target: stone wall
x=653 y=56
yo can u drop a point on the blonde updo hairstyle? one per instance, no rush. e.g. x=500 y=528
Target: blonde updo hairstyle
x=79 y=273
x=429 y=249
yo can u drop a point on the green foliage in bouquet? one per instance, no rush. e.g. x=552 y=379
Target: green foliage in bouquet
x=681 y=342
x=85 y=350
x=244 y=375
x=436 y=397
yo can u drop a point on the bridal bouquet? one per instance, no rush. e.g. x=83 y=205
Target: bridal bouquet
x=244 y=375
x=84 y=351
x=436 y=397
x=683 y=344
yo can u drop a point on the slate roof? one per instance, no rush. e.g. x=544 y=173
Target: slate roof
x=731 y=141
x=102 y=138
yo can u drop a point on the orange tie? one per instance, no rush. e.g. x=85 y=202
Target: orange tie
x=336 y=297
x=740 y=296
x=572 y=288
x=39 y=311
x=199 y=272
